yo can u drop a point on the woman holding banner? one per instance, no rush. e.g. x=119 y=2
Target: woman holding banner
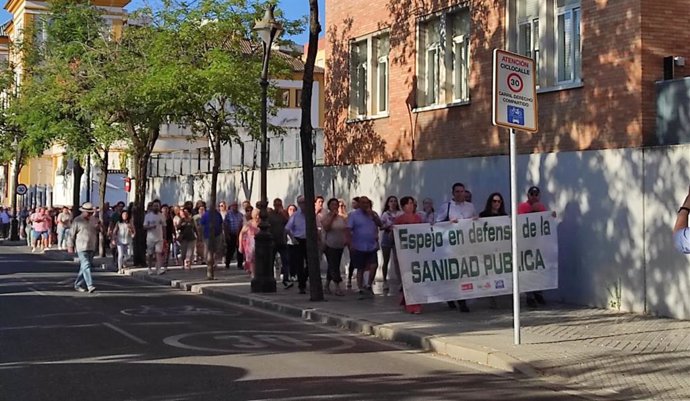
x=409 y=216
x=495 y=206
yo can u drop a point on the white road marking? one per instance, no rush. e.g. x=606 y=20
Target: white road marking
x=256 y=339
x=38 y=291
x=126 y=334
x=52 y=326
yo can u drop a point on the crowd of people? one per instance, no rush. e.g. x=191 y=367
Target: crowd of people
x=193 y=233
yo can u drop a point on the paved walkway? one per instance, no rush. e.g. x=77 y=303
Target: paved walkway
x=603 y=353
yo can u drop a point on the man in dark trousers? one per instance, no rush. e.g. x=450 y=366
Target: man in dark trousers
x=232 y=224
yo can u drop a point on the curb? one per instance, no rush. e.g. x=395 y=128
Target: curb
x=469 y=353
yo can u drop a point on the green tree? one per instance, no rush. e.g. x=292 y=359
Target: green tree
x=213 y=53
x=64 y=68
x=138 y=90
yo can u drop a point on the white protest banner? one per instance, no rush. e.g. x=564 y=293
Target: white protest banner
x=472 y=258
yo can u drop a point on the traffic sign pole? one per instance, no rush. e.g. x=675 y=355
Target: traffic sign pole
x=514 y=107
x=514 y=244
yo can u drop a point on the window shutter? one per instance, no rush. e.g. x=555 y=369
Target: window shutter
x=527 y=9
x=421 y=65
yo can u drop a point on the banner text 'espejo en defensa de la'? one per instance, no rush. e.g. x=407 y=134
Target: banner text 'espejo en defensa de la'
x=473 y=259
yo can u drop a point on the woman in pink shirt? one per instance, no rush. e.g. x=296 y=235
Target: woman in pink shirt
x=40 y=222
x=409 y=216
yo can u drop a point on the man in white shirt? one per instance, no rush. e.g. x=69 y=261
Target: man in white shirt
x=154 y=224
x=453 y=211
x=458 y=208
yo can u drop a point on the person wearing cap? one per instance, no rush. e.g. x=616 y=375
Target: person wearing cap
x=84 y=240
x=681 y=232
x=533 y=205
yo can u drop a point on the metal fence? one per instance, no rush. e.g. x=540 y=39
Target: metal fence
x=284 y=152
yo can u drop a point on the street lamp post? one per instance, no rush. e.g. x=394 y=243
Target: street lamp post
x=14 y=223
x=264 y=280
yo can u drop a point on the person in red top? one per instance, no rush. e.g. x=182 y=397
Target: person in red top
x=409 y=216
x=533 y=205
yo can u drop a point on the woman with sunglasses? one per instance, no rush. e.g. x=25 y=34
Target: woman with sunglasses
x=494 y=207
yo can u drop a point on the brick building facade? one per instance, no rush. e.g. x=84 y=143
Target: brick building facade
x=412 y=79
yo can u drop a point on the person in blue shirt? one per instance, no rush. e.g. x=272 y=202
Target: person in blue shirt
x=212 y=230
x=364 y=225
x=296 y=230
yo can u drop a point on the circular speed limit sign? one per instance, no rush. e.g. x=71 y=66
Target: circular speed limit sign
x=21 y=189
x=515 y=82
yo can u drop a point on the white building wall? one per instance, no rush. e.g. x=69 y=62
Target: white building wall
x=615 y=210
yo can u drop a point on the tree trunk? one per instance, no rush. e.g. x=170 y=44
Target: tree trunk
x=306 y=135
x=143 y=147
x=77 y=172
x=102 y=187
x=141 y=163
x=214 y=142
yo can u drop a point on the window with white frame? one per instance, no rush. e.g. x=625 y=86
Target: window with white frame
x=568 y=40
x=549 y=32
x=444 y=58
x=369 y=72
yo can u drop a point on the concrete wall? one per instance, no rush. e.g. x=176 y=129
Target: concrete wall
x=616 y=209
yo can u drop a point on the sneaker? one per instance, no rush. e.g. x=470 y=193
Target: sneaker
x=80 y=289
x=92 y=289
x=288 y=284
x=150 y=271
x=162 y=271
x=360 y=295
x=33 y=250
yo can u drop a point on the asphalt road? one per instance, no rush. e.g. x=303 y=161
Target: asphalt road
x=137 y=341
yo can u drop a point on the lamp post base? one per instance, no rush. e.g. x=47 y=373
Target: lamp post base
x=264 y=278
x=14 y=229
x=263 y=284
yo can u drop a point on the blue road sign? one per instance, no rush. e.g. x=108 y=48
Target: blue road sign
x=516 y=115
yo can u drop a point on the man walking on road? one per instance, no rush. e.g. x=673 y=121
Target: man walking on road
x=84 y=239
x=154 y=224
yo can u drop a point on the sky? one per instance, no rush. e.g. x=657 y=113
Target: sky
x=293 y=9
